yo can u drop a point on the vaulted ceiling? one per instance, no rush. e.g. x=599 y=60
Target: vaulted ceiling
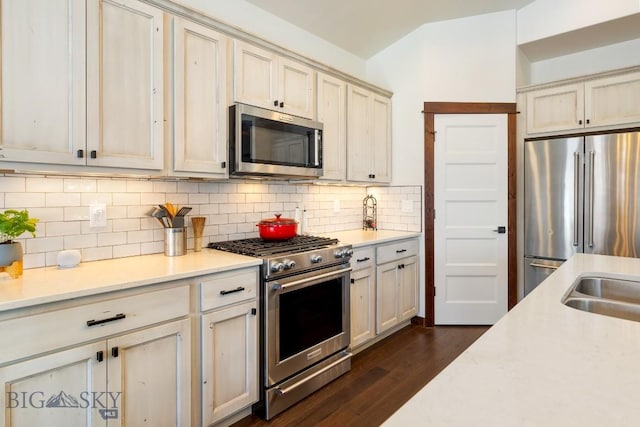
x=365 y=27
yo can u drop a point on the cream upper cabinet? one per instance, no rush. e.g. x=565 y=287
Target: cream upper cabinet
x=42 y=91
x=612 y=101
x=265 y=79
x=554 y=109
x=124 y=84
x=198 y=67
x=596 y=103
x=368 y=136
x=332 y=113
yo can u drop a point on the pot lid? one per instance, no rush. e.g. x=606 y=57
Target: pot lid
x=278 y=221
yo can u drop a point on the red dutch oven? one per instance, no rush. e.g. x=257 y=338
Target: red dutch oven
x=278 y=228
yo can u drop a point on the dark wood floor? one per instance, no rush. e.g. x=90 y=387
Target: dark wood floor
x=381 y=379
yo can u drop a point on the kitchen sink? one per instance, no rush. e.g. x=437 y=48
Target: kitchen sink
x=606 y=296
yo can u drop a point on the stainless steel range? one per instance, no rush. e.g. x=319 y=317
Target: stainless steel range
x=304 y=319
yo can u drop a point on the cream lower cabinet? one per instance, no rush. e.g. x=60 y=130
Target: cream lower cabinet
x=229 y=337
x=397 y=284
x=363 y=296
x=122 y=378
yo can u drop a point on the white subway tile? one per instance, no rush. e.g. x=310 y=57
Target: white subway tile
x=75 y=185
x=228 y=208
x=36 y=260
x=148 y=248
x=117 y=212
x=151 y=199
x=76 y=213
x=95 y=254
x=112 y=239
x=88 y=199
x=126 y=250
x=208 y=187
x=187 y=187
x=219 y=219
x=13 y=184
x=165 y=186
x=62 y=228
x=41 y=184
x=245 y=208
x=47 y=214
x=140 y=236
x=44 y=244
x=139 y=211
x=62 y=199
x=228 y=188
x=80 y=241
x=24 y=200
x=228 y=228
x=126 y=199
x=177 y=198
x=129 y=224
x=209 y=209
x=219 y=198
x=111 y=185
x=134 y=186
x=198 y=199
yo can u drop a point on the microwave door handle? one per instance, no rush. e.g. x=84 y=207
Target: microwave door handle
x=318 y=141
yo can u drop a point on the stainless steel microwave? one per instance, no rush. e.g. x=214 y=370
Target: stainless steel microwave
x=273 y=144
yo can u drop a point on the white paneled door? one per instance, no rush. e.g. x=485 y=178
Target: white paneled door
x=471 y=207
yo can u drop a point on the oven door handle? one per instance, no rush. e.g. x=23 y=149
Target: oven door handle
x=282 y=391
x=278 y=287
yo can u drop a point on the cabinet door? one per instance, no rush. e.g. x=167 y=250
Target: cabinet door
x=363 y=302
x=199 y=64
x=408 y=288
x=124 y=84
x=42 y=93
x=555 y=109
x=332 y=103
x=66 y=388
x=381 y=139
x=152 y=370
x=254 y=75
x=613 y=100
x=229 y=361
x=295 y=88
x=386 y=297
x=359 y=116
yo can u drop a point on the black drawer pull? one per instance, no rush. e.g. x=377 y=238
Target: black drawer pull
x=110 y=319
x=114 y=351
x=363 y=259
x=401 y=251
x=233 y=291
x=100 y=356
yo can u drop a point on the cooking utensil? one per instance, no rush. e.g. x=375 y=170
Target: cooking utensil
x=183 y=211
x=277 y=228
x=161 y=216
x=171 y=209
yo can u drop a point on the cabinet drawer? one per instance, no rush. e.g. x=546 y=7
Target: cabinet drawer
x=38 y=333
x=393 y=251
x=363 y=258
x=228 y=288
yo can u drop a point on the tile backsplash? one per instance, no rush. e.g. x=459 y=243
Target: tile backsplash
x=232 y=210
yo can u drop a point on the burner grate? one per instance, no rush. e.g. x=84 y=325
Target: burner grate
x=261 y=248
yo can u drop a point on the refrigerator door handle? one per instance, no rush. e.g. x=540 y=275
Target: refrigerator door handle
x=550 y=267
x=576 y=196
x=592 y=155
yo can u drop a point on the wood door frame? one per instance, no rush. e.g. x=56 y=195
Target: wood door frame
x=430 y=110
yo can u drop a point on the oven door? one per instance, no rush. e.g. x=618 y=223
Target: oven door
x=307 y=321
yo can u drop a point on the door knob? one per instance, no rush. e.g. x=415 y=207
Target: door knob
x=500 y=230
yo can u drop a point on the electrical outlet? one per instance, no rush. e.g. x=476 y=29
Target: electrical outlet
x=336 y=206
x=407 y=206
x=97 y=215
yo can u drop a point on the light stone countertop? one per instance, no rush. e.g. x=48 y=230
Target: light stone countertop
x=543 y=364
x=358 y=238
x=51 y=284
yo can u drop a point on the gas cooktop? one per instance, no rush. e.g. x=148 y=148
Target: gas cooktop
x=258 y=247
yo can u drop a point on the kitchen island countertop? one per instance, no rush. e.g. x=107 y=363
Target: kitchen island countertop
x=542 y=364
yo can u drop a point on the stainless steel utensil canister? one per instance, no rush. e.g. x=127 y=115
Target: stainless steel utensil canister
x=175 y=241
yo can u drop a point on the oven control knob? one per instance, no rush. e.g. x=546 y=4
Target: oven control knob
x=277 y=267
x=315 y=259
x=339 y=253
x=289 y=264
x=348 y=252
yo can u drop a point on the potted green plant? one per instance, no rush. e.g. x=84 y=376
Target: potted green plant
x=12 y=224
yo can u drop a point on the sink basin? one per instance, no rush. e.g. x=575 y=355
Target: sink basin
x=606 y=308
x=606 y=296
x=612 y=289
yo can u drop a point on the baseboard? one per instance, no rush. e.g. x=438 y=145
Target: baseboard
x=380 y=337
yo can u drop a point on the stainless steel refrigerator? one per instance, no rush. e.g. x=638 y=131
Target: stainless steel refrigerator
x=582 y=194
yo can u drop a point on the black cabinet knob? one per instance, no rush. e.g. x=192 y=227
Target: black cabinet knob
x=80 y=154
x=275 y=103
x=94 y=154
x=282 y=105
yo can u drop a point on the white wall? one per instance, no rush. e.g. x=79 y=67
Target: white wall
x=546 y=18
x=464 y=60
x=256 y=21
x=617 y=56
